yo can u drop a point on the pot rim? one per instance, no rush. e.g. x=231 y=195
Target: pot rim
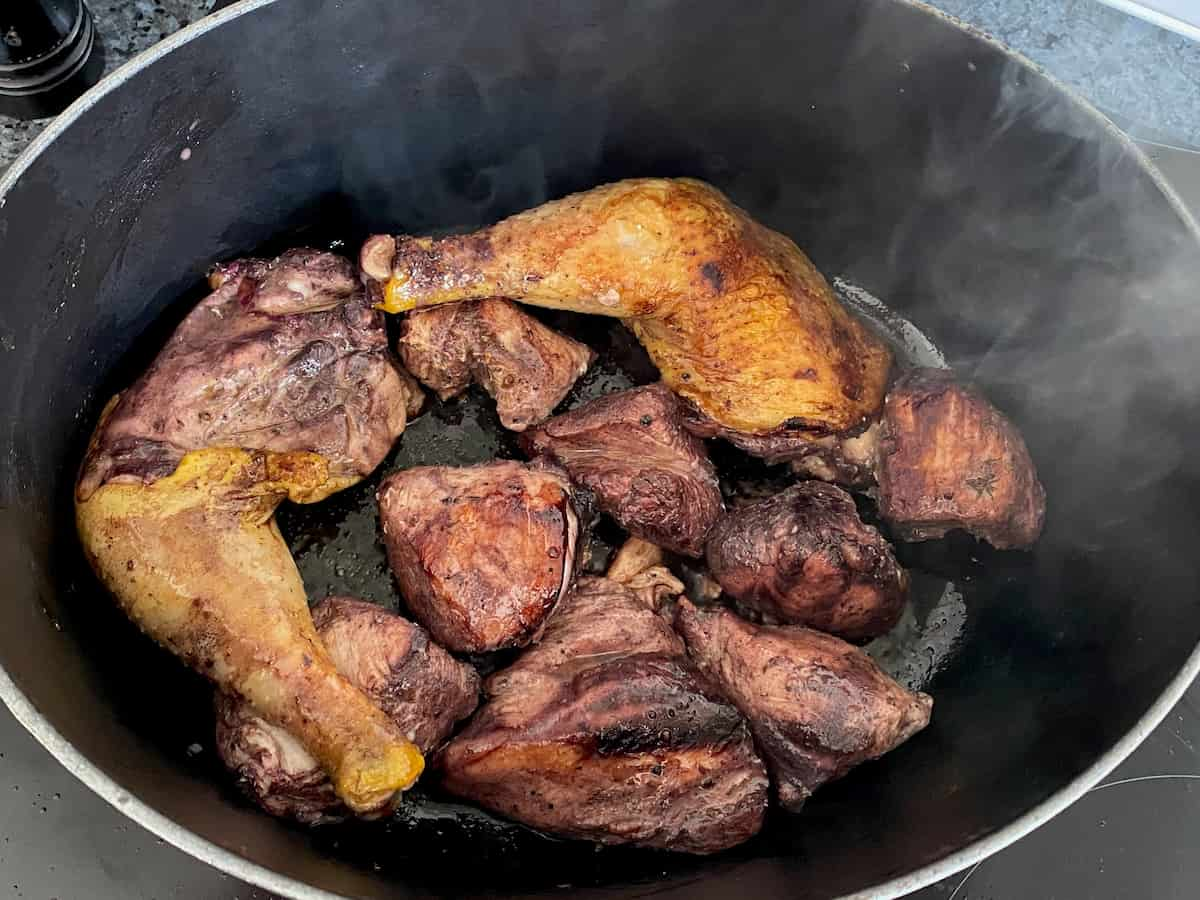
x=238 y=866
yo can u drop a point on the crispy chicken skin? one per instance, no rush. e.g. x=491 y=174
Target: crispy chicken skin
x=817 y=706
x=604 y=731
x=420 y=687
x=526 y=367
x=481 y=553
x=278 y=385
x=804 y=557
x=646 y=471
x=734 y=315
x=949 y=459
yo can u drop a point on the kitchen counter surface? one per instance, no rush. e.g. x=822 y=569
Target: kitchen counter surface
x=1131 y=837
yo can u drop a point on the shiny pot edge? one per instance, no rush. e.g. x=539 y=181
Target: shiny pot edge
x=233 y=864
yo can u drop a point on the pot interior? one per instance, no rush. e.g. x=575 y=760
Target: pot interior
x=909 y=157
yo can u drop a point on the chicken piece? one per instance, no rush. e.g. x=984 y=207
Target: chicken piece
x=483 y=553
x=641 y=567
x=603 y=731
x=804 y=557
x=284 y=354
x=733 y=314
x=420 y=686
x=646 y=471
x=278 y=385
x=949 y=459
x=197 y=561
x=524 y=365
x=817 y=706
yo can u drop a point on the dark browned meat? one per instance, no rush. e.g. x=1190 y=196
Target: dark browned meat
x=420 y=686
x=272 y=767
x=604 y=731
x=804 y=557
x=949 y=459
x=631 y=450
x=482 y=554
x=284 y=354
x=526 y=366
x=817 y=706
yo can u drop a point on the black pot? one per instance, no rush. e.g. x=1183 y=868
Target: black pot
x=1016 y=227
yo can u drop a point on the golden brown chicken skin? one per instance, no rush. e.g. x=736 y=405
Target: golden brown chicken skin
x=734 y=315
x=196 y=560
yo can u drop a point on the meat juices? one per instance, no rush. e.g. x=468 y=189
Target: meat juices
x=524 y=365
x=284 y=354
x=420 y=686
x=632 y=452
x=482 y=553
x=817 y=705
x=804 y=557
x=949 y=459
x=604 y=731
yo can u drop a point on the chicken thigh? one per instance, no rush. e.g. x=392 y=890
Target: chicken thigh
x=804 y=557
x=817 y=706
x=524 y=365
x=481 y=553
x=949 y=459
x=278 y=385
x=645 y=469
x=604 y=731
x=735 y=317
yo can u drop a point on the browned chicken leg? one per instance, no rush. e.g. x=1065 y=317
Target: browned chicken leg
x=734 y=315
x=278 y=385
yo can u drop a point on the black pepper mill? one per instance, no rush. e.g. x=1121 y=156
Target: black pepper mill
x=49 y=55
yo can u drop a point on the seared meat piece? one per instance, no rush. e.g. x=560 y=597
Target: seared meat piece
x=420 y=686
x=646 y=471
x=734 y=316
x=817 y=706
x=804 y=557
x=279 y=385
x=526 y=366
x=284 y=354
x=273 y=768
x=482 y=554
x=949 y=459
x=603 y=731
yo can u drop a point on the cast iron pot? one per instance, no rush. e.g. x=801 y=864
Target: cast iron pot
x=1016 y=227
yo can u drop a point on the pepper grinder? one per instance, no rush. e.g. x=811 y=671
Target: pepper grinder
x=49 y=55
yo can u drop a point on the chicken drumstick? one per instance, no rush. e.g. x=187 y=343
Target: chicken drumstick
x=734 y=315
